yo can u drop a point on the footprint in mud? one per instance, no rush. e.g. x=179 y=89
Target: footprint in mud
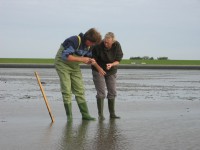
x=26 y=97
x=3 y=121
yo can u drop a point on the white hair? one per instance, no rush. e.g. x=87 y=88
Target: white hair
x=110 y=35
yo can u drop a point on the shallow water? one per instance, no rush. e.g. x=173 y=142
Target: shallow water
x=159 y=110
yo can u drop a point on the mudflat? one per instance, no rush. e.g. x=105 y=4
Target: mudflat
x=159 y=110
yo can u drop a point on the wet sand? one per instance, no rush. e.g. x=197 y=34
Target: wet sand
x=159 y=111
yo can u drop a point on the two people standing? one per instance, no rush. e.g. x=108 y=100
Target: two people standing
x=75 y=50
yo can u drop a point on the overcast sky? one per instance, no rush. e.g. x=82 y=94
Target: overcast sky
x=154 y=28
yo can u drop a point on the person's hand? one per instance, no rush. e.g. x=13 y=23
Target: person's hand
x=86 y=60
x=108 y=66
x=101 y=72
x=93 y=61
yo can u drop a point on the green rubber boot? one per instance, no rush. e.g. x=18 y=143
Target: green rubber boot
x=100 y=104
x=111 y=107
x=84 y=111
x=68 y=109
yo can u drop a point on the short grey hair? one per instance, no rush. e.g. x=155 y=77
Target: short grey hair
x=110 y=35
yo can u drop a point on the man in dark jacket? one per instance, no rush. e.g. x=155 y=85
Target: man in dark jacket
x=107 y=56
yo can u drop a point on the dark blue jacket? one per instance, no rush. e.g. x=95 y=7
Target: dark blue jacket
x=72 y=46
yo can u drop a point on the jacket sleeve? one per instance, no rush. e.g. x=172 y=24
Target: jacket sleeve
x=94 y=52
x=85 y=53
x=70 y=45
x=119 y=53
x=68 y=51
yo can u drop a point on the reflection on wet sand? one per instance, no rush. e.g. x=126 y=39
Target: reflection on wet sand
x=74 y=138
x=47 y=138
x=107 y=136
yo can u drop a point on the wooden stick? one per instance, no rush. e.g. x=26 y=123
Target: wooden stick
x=45 y=98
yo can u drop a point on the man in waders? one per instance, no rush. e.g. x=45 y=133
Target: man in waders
x=75 y=50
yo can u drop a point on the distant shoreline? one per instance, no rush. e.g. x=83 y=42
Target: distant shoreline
x=121 y=66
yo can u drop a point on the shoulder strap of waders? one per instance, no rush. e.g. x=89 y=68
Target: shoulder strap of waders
x=79 y=42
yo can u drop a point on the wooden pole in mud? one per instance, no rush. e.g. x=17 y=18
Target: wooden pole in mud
x=45 y=98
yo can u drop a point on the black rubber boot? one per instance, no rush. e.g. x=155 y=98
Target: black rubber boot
x=111 y=107
x=100 y=105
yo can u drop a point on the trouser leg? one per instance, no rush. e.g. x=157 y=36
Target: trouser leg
x=79 y=92
x=111 y=87
x=65 y=85
x=100 y=85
